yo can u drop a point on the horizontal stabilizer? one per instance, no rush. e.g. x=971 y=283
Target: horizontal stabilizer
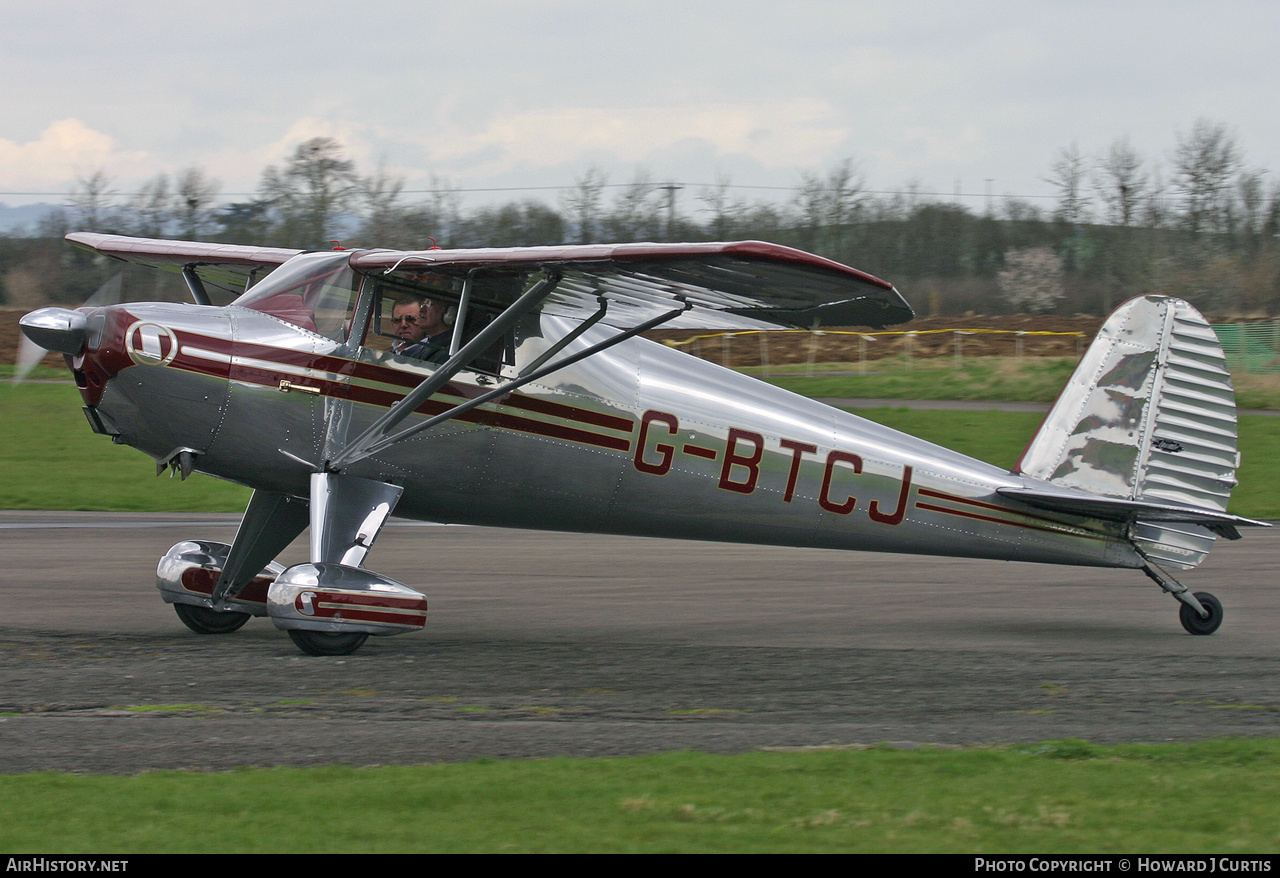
x=1120 y=509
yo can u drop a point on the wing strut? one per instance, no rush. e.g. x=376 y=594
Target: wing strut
x=569 y=337
x=195 y=285
x=531 y=373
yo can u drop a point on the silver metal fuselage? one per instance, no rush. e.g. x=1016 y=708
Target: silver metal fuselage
x=640 y=439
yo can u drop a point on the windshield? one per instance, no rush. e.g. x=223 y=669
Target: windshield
x=316 y=291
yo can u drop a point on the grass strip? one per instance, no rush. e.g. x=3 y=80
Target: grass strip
x=51 y=460
x=1057 y=797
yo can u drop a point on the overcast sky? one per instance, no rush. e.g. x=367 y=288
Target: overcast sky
x=497 y=93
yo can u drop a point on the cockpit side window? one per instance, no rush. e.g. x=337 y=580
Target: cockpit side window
x=399 y=298
x=316 y=291
x=395 y=319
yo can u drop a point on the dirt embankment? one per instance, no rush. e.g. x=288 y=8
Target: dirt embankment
x=934 y=337
x=925 y=337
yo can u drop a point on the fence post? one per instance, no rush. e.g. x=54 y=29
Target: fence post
x=862 y=350
x=813 y=350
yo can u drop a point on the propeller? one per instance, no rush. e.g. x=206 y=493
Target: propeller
x=61 y=330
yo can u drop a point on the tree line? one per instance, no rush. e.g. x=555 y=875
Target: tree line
x=1205 y=226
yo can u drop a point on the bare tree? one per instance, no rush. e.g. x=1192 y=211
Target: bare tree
x=636 y=214
x=310 y=191
x=582 y=203
x=383 y=214
x=150 y=208
x=194 y=202
x=437 y=220
x=90 y=201
x=1155 y=210
x=515 y=224
x=1124 y=186
x=725 y=211
x=1068 y=175
x=826 y=205
x=845 y=190
x=1205 y=161
x=1121 y=181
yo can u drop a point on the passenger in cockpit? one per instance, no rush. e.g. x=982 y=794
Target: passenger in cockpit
x=433 y=345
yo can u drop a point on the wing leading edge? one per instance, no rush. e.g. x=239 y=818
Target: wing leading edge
x=735 y=285
x=229 y=266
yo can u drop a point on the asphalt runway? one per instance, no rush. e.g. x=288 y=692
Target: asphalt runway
x=552 y=644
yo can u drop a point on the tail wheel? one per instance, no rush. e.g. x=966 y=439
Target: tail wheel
x=1194 y=623
x=203 y=620
x=323 y=643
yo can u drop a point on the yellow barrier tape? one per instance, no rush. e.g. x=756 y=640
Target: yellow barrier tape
x=912 y=332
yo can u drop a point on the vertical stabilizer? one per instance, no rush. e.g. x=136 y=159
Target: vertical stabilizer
x=1149 y=415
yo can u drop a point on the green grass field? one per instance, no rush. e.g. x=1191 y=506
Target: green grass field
x=51 y=460
x=1059 y=797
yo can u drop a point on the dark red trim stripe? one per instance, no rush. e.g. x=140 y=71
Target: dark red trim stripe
x=388 y=375
x=385 y=399
x=570 y=413
x=1030 y=526
x=1030 y=522
x=939 y=495
x=365 y=607
x=199 y=580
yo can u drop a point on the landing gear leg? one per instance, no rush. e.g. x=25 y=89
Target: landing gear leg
x=331 y=605
x=270 y=523
x=1200 y=613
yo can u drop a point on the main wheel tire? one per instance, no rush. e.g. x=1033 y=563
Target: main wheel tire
x=324 y=643
x=203 y=620
x=1192 y=621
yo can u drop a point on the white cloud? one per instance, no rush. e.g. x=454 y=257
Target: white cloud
x=65 y=150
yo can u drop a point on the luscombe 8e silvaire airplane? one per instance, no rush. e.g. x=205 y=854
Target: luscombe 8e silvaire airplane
x=543 y=408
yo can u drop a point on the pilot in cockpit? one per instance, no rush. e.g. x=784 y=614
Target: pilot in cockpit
x=406 y=324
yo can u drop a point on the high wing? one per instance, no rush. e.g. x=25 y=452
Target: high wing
x=737 y=285
x=231 y=267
